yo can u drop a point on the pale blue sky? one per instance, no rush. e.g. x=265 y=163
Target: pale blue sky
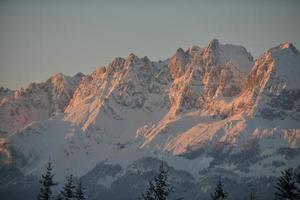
x=39 y=38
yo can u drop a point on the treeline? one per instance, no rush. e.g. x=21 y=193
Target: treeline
x=287 y=187
x=72 y=189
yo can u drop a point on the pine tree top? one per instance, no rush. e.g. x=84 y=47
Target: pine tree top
x=159 y=188
x=286 y=186
x=68 y=191
x=219 y=193
x=47 y=183
x=79 y=192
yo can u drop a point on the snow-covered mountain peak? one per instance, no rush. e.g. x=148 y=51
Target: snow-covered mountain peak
x=115 y=65
x=58 y=76
x=79 y=75
x=207 y=74
x=132 y=57
x=134 y=61
x=193 y=49
x=98 y=72
x=286 y=64
x=38 y=101
x=274 y=84
x=179 y=52
x=177 y=63
x=126 y=83
x=118 y=64
x=227 y=54
x=284 y=46
x=4 y=92
x=279 y=64
x=213 y=45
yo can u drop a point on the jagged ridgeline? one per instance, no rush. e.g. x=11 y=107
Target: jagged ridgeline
x=208 y=112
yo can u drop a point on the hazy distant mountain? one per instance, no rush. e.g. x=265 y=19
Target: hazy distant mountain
x=208 y=112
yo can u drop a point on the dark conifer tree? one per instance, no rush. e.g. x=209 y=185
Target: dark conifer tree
x=297 y=174
x=219 y=193
x=68 y=191
x=159 y=188
x=79 y=192
x=150 y=193
x=252 y=196
x=47 y=183
x=286 y=188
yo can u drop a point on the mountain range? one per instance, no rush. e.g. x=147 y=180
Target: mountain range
x=209 y=112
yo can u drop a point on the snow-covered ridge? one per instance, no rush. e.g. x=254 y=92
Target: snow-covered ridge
x=38 y=101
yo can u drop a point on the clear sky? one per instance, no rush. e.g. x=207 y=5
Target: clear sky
x=39 y=38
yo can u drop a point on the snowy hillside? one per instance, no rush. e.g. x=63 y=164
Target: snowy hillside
x=207 y=111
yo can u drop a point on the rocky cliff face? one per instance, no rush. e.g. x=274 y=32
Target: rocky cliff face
x=207 y=75
x=273 y=83
x=38 y=101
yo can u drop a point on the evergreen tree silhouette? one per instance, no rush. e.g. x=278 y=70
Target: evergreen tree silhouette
x=68 y=191
x=159 y=188
x=47 y=183
x=286 y=188
x=79 y=192
x=297 y=174
x=252 y=196
x=219 y=193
